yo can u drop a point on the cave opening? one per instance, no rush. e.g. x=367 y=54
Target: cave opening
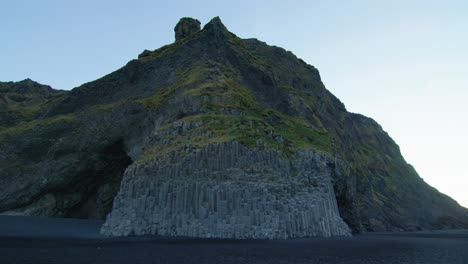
x=97 y=186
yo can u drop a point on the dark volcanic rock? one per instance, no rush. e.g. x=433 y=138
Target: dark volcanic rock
x=186 y=27
x=229 y=191
x=24 y=101
x=148 y=126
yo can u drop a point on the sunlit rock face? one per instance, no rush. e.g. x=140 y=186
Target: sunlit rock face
x=229 y=191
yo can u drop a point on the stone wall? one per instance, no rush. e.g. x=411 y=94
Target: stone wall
x=228 y=191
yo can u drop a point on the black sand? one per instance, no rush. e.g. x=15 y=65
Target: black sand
x=36 y=240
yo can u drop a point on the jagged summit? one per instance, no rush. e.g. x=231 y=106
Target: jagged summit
x=25 y=86
x=215 y=25
x=212 y=136
x=216 y=30
x=186 y=27
x=25 y=100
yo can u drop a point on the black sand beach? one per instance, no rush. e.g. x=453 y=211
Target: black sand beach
x=36 y=240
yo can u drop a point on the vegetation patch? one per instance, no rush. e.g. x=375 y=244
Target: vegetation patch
x=24 y=127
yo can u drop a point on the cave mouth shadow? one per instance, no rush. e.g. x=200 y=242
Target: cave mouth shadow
x=98 y=185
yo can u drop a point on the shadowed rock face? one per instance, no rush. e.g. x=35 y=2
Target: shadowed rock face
x=88 y=195
x=24 y=101
x=214 y=136
x=186 y=27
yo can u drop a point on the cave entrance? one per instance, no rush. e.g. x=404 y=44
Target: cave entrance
x=98 y=186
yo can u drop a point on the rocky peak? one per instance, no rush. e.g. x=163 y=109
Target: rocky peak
x=186 y=27
x=216 y=28
x=25 y=86
x=215 y=24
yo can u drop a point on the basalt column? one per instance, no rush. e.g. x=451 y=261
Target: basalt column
x=229 y=191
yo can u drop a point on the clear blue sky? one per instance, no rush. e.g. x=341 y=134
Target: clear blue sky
x=403 y=63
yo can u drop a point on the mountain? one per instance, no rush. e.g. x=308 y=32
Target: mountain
x=210 y=136
x=24 y=101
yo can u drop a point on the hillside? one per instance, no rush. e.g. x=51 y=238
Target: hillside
x=209 y=130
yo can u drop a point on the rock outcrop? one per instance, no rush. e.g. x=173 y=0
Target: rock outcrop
x=210 y=136
x=24 y=101
x=186 y=27
x=229 y=191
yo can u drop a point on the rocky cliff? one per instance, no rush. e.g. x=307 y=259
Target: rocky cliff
x=211 y=136
x=228 y=190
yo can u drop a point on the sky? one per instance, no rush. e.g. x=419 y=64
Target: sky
x=402 y=63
